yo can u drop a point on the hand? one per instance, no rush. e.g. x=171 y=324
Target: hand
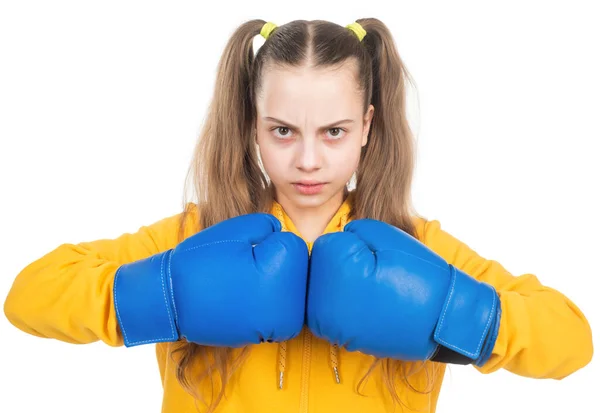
x=376 y=289
x=241 y=281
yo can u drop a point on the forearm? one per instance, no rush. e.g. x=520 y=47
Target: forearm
x=542 y=335
x=66 y=295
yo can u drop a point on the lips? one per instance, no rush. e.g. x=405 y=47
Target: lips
x=308 y=183
x=309 y=187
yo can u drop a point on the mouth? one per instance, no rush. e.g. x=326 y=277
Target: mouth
x=309 y=187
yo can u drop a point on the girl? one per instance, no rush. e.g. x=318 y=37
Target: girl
x=281 y=289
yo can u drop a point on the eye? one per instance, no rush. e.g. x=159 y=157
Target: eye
x=286 y=132
x=336 y=133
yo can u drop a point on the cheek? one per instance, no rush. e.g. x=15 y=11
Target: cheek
x=273 y=159
x=346 y=159
x=346 y=169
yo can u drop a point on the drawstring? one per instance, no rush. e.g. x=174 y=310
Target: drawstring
x=282 y=354
x=282 y=349
x=334 y=348
x=333 y=357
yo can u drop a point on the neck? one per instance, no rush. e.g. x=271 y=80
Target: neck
x=312 y=221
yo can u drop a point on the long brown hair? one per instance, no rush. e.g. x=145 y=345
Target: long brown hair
x=226 y=156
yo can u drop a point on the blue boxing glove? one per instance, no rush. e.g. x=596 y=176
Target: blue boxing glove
x=241 y=281
x=373 y=288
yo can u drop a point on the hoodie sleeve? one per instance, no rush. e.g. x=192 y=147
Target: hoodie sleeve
x=67 y=294
x=542 y=333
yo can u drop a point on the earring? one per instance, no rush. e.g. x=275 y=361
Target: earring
x=351 y=184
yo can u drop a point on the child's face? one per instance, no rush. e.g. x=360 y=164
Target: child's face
x=299 y=136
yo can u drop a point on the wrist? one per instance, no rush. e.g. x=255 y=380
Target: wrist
x=143 y=301
x=468 y=325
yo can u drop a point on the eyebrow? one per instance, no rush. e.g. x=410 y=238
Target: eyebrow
x=296 y=127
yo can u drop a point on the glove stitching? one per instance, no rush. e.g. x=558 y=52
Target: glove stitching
x=413 y=256
x=170 y=254
x=162 y=279
x=468 y=353
x=212 y=243
x=117 y=306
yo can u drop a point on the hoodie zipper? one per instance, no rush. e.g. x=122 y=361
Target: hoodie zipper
x=306 y=344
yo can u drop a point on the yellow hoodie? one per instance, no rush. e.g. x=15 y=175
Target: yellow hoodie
x=67 y=295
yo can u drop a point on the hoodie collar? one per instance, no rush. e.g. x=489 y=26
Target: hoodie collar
x=337 y=222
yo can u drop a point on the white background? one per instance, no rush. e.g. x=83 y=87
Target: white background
x=101 y=104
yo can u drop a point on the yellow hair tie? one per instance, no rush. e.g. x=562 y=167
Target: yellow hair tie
x=358 y=30
x=267 y=29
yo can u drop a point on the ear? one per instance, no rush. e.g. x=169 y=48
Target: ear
x=367 y=124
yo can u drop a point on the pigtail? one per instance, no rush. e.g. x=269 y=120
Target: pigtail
x=229 y=174
x=386 y=170
x=228 y=182
x=385 y=174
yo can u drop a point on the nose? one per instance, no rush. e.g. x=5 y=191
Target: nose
x=309 y=156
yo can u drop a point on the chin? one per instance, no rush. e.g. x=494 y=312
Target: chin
x=311 y=201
